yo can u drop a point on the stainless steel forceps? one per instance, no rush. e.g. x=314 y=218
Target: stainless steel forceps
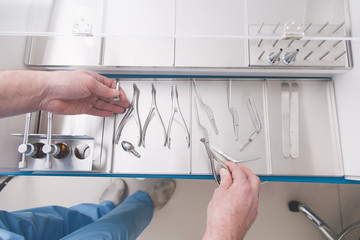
x=210 y=153
x=206 y=107
x=175 y=109
x=132 y=110
x=153 y=111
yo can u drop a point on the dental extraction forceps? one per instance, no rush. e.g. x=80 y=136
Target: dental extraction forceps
x=210 y=153
x=206 y=107
x=153 y=111
x=132 y=110
x=175 y=108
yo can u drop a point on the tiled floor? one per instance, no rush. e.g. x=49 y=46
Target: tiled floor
x=185 y=215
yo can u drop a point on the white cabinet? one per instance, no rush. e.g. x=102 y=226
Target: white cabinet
x=169 y=42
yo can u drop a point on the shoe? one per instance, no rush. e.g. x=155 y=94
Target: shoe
x=115 y=192
x=161 y=193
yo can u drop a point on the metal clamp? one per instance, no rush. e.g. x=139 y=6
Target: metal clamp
x=211 y=155
x=132 y=110
x=153 y=111
x=175 y=109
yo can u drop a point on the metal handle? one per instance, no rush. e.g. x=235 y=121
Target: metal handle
x=26 y=149
x=50 y=149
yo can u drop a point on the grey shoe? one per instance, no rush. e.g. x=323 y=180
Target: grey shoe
x=115 y=192
x=161 y=193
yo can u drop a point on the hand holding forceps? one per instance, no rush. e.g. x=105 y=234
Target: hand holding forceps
x=210 y=153
x=132 y=110
x=153 y=111
x=175 y=109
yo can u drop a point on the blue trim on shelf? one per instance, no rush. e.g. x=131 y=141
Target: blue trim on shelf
x=117 y=75
x=304 y=179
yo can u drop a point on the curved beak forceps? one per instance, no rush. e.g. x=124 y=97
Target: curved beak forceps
x=175 y=109
x=153 y=111
x=210 y=153
x=258 y=125
x=132 y=110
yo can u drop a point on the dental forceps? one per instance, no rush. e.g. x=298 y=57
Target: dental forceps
x=210 y=153
x=175 y=109
x=234 y=113
x=258 y=125
x=153 y=111
x=206 y=107
x=132 y=110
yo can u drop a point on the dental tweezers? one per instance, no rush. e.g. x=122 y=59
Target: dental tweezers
x=234 y=113
x=132 y=110
x=153 y=111
x=258 y=125
x=175 y=109
x=206 y=107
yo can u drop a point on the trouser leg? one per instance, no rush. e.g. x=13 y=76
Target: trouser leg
x=52 y=222
x=126 y=221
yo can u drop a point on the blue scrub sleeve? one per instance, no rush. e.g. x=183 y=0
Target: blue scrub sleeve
x=126 y=221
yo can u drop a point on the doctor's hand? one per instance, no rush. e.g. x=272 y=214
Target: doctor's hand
x=81 y=92
x=234 y=205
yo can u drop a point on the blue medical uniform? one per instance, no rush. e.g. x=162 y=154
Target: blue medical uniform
x=83 y=221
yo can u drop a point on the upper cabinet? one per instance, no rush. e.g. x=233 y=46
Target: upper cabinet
x=183 y=35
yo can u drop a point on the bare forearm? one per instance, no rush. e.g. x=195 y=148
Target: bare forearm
x=21 y=91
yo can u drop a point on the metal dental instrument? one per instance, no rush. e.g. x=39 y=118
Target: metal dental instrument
x=132 y=110
x=175 y=109
x=274 y=57
x=285 y=105
x=290 y=119
x=230 y=158
x=234 y=113
x=205 y=141
x=212 y=159
x=290 y=57
x=294 y=121
x=258 y=125
x=153 y=111
x=207 y=108
x=117 y=88
x=128 y=147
